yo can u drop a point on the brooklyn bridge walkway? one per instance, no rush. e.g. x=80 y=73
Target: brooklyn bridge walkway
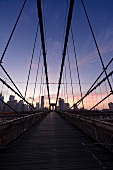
x=54 y=144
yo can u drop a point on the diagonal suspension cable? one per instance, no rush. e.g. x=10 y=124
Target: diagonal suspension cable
x=11 y=80
x=65 y=44
x=12 y=32
x=93 y=88
x=97 y=46
x=15 y=92
x=43 y=44
x=9 y=106
x=95 y=81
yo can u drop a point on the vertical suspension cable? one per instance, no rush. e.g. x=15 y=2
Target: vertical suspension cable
x=31 y=62
x=41 y=85
x=101 y=96
x=2 y=88
x=77 y=66
x=112 y=78
x=66 y=84
x=97 y=47
x=36 y=76
x=89 y=100
x=107 y=91
x=96 y=96
x=70 y=75
x=62 y=92
x=64 y=87
x=7 y=95
x=92 y=99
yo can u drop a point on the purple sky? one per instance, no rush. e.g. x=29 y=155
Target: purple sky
x=18 y=55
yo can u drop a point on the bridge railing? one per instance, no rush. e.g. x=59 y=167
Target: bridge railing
x=101 y=131
x=13 y=128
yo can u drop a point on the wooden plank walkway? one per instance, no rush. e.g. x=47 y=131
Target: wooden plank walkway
x=54 y=144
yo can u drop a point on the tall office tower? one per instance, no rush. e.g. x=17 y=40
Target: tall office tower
x=61 y=104
x=66 y=106
x=37 y=106
x=75 y=107
x=11 y=98
x=1 y=103
x=110 y=106
x=42 y=102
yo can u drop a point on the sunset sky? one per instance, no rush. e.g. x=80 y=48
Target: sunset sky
x=18 y=55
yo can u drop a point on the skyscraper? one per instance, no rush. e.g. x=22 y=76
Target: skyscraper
x=37 y=106
x=11 y=98
x=42 y=102
x=110 y=106
x=1 y=103
x=61 y=104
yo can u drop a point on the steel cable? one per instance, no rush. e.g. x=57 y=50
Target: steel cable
x=31 y=62
x=12 y=31
x=97 y=46
x=70 y=75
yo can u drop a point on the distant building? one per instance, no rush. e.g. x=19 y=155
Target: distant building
x=57 y=108
x=75 y=107
x=42 y=102
x=25 y=107
x=1 y=103
x=20 y=105
x=11 y=104
x=11 y=98
x=110 y=106
x=31 y=107
x=66 y=106
x=37 y=106
x=61 y=104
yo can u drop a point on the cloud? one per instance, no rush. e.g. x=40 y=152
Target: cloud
x=24 y=17
x=105 y=44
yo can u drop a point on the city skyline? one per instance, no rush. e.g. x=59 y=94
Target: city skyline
x=20 y=105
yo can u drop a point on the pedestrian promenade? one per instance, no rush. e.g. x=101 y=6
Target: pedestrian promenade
x=54 y=144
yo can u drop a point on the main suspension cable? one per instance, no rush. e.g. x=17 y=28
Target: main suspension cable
x=65 y=44
x=43 y=44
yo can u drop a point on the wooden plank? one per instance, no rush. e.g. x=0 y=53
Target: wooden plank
x=54 y=144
